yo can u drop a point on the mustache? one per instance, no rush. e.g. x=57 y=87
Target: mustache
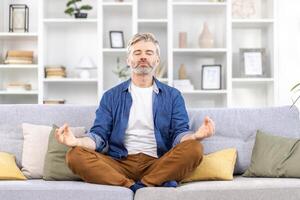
x=138 y=64
x=143 y=62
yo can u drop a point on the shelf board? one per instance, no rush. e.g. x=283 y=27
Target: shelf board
x=210 y=4
x=163 y=79
x=251 y=23
x=252 y=80
x=200 y=51
x=205 y=92
x=9 y=35
x=117 y=4
x=64 y=80
x=152 y=20
x=217 y=92
x=67 y=20
x=114 y=50
x=18 y=66
x=6 y=92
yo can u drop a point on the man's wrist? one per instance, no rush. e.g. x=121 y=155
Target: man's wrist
x=194 y=136
x=197 y=137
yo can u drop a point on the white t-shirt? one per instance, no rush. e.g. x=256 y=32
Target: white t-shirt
x=139 y=135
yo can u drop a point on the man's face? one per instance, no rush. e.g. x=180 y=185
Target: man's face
x=143 y=58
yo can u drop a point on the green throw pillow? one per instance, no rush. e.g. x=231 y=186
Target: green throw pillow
x=274 y=156
x=55 y=167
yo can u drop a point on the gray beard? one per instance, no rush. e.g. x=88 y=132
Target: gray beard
x=142 y=70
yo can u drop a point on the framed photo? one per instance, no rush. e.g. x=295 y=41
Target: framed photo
x=18 y=18
x=252 y=62
x=116 y=39
x=211 y=77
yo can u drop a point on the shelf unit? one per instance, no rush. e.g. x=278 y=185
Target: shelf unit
x=19 y=41
x=257 y=31
x=58 y=39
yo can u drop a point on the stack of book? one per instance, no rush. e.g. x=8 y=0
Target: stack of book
x=54 y=101
x=183 y=85
x=17 y=86
x=18 y=57
x=55 y=72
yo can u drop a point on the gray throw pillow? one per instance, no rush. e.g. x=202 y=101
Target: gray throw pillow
x=55 y=167
x=274 y=156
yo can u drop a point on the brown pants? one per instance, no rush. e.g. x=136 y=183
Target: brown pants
x=94 y=167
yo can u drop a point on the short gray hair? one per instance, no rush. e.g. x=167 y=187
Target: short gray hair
x=147 y=37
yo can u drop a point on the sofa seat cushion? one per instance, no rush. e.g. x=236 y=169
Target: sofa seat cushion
x=240 y=188
x=61 y=190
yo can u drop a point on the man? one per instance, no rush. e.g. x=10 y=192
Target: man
x=143 y=124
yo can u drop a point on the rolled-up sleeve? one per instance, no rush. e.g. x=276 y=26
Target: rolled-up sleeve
x=102 y=126
x=180 y=119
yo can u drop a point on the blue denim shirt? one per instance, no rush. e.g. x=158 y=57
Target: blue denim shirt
x=169 y=115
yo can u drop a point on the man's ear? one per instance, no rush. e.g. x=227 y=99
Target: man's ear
x=157 y=60
x=127 y=61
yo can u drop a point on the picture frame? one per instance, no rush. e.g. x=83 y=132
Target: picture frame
x=252 y=62
x=18 y=18
x=116 y=39
x=211 y=77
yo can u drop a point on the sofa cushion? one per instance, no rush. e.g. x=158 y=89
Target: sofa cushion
x=8 y=168
x=55 y=166
x=236 y=128
x=34 y=149
x=239 y=188
x=274 y=156
x=215 y=166
x=61 y=190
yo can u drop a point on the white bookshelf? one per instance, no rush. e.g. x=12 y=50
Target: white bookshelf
x=21 y=41
x=258 y=31
x=58 y=39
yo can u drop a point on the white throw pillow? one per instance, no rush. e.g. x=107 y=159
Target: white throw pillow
x=35 y=148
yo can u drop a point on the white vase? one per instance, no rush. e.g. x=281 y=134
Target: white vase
x=206 y=39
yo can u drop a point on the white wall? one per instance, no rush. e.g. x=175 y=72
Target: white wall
x=289 y=48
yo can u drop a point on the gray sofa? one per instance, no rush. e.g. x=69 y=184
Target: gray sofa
x=234 y=128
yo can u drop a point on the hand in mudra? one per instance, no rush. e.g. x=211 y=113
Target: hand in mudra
x=65 y=136
x=206 y=130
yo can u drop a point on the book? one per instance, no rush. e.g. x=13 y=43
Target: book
x=19 y=53
x=54 y=101
x=56 y=73
x=18 y=87
x=18 y=62
x=54 y=76
x=55 y=68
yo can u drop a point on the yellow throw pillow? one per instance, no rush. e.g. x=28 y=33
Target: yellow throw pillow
x=215 y=166
x=8 y=168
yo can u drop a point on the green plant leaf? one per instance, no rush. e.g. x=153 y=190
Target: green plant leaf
x=295 y=86
x=86 y=7
x=69 y=11
x=72 y=2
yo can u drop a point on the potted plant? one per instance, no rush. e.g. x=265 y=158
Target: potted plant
x=123 y=73
x=296 y=89
x=72 y=8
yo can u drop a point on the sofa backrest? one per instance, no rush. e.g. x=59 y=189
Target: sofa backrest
x=235 y=127
x=12 y=117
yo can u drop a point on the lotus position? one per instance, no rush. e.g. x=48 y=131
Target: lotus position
x=140 y=136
